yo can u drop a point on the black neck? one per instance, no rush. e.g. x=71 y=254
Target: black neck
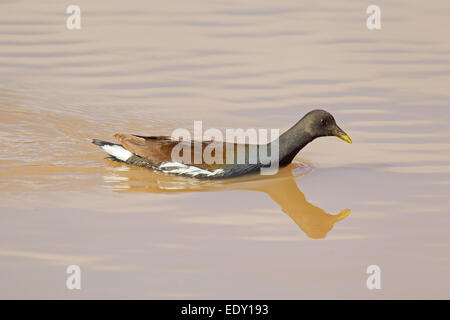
x=292 y=141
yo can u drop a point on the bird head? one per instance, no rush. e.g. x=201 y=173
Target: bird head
x=320 y=123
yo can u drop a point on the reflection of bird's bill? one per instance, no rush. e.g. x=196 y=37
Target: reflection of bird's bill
x=342 y=215
x=338 y=132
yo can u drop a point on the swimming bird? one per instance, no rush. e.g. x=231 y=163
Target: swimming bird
x=156 y=152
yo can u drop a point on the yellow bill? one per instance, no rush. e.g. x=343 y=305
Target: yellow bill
x=342 y=135
x=346 y=138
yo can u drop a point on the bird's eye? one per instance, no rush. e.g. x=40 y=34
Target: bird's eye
x=323 y=122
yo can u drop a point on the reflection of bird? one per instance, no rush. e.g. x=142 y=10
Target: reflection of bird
x=281 y=188
x=157 y=152
x=314 y=221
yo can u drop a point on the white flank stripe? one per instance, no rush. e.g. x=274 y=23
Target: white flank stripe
x=179 y=168
x=117 y=152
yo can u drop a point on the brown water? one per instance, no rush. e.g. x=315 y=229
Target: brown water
x=148 y=67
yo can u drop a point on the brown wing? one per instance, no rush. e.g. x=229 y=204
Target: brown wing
x=158 y=149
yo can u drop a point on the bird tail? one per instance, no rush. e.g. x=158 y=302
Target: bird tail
x=113 y=149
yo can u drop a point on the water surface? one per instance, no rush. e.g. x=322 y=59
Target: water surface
x=149 y=67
